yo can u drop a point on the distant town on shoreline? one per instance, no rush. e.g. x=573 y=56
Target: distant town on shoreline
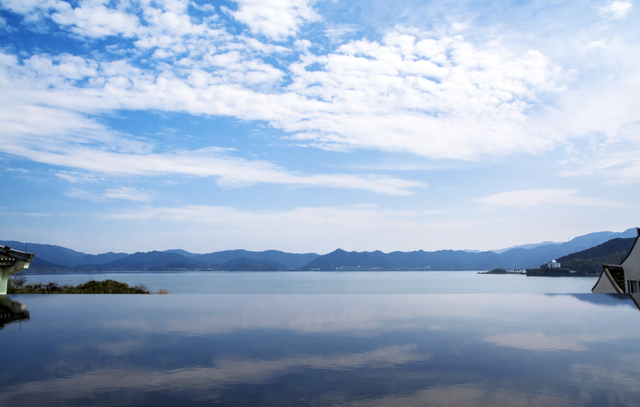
x=57 y=259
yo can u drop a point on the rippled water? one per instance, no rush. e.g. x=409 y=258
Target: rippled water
x=323 y=350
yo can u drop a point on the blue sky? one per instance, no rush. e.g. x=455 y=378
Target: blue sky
x=307 y=126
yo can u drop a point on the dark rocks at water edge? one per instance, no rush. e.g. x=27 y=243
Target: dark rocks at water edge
x=503 y=271
x=56 y=259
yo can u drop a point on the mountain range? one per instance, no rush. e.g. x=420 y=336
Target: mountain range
x=53 y=259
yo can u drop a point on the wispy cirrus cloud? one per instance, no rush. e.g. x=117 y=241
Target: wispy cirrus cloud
x=79 y=193
x=619 y=167
x=129 y=194
x=353 y=218
x=83 y=144
x=535 y=197
x=123 y=193
x=78 y=177
x=336 y=32
x=231 y=172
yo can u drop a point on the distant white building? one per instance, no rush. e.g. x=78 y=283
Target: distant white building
x=553 y=264
x=623 y=277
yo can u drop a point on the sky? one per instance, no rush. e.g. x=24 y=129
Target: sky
x=312 y=125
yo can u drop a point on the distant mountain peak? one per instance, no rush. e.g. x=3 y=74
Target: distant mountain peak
x=51 y=257
x=590 y=239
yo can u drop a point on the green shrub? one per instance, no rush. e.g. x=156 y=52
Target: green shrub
x=17 y=285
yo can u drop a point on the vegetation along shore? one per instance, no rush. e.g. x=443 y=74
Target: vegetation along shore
x=18 y=285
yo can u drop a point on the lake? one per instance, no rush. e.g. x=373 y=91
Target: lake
x=323 y=350
x=332 y=282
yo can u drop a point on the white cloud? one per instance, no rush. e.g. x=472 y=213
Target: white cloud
x=436 y=97
x=93 y=19
x=27 y=6
x=619 y=164
x=598 y=118
x=231 y=172
x=124 y=193
x=79 y=193
x=355 y=218
x=203 y=7
x=616 y=9
x=535 y=197
x=20 y=170
x=129 y=194
x=62 y=67
x=433 y=94
x=336 y=32
x=67 y=139
x=275 y=19
x=77 y=177
x=596 y=44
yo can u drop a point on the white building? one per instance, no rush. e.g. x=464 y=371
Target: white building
x=622 y=278
x=553 y=264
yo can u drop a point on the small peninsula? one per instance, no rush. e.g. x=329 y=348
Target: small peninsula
x=18 y=285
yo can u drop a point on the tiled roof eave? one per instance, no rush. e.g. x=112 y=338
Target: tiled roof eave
x=7 y=261
x=615 y=274
x=8 y=253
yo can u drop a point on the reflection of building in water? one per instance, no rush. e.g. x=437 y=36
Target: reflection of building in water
x=11 y=311
x=12 y=261
x=623 y=277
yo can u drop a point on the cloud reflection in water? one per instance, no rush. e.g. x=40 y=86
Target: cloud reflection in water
x=346 y=350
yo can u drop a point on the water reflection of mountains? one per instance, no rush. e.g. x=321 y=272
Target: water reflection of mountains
x=611 y=300
x=608 y=300
x=11 y=311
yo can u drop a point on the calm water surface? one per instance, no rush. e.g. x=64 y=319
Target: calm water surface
x=420 y=282
x=323 y=350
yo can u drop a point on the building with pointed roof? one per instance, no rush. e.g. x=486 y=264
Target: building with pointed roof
x=623 y=277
